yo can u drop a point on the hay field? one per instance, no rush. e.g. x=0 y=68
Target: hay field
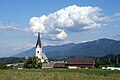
x=59 y=74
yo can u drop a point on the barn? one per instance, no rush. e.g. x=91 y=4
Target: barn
x=80 y=62
x=71 y=63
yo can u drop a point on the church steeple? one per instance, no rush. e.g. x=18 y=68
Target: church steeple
x=39 y=41
x=38 y=51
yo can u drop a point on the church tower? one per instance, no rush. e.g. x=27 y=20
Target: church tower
x=39 y=49
x=38 y=52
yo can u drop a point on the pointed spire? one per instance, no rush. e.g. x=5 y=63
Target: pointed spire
x=39 y=41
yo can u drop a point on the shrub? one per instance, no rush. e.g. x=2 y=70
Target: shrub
x=32 y=62
x=3 y=66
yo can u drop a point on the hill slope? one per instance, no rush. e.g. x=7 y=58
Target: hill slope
x=98 y=47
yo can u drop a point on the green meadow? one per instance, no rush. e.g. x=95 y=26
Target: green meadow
x=59 y=74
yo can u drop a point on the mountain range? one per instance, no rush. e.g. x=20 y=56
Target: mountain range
x=96 y=48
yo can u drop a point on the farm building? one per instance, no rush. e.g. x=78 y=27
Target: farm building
x=53 y=64
x=71 y=63
x=80 y=62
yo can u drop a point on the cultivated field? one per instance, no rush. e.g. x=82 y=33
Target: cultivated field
x=59 y=74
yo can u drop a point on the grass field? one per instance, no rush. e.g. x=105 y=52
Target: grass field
x=59 y=74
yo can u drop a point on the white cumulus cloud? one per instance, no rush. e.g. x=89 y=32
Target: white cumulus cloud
x=69 y=19
x=37 y=24
x=61 y=35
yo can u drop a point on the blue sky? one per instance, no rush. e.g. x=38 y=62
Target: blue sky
x=18 y=22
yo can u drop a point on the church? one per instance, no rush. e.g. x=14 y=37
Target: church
x=39 y=53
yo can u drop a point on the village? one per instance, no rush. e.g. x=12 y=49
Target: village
x=72 y=63
x=40 y=60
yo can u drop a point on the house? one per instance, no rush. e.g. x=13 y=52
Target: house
x=16 y=65
x=80 y=63
x=53 y=64
x=72 y=63
x=47 y=65
x=59 y=65
x=111 y=68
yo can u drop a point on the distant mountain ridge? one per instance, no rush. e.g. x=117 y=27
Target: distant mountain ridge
x=98 y=47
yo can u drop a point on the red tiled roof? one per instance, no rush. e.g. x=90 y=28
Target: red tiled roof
x=80 y=61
